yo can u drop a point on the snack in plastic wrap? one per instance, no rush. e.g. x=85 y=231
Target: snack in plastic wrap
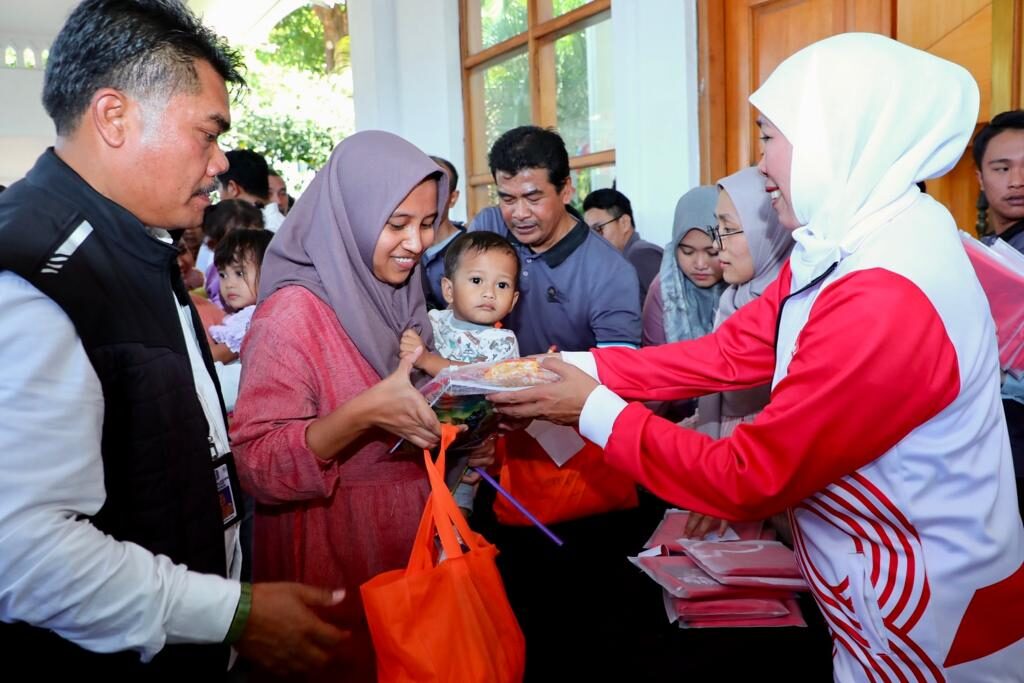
x=458 y=393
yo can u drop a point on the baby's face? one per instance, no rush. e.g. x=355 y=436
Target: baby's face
x=483 y=290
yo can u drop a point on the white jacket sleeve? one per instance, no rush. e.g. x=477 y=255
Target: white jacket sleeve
x=58 y=571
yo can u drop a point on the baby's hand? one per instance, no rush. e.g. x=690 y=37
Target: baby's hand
x=410 y=342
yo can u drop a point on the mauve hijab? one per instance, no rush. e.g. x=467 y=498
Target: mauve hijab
x=769 y=244
x=326 y=243
x=688 y=310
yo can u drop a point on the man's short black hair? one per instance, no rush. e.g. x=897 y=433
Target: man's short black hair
x=1008 y=120
x=479 y=242
x=444 y=163
x=140 y=47
x=249 y=169
x=612 y=201
x=531 y=147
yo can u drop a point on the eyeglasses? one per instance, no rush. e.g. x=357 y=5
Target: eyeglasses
x=718 y=234
x=599 y=228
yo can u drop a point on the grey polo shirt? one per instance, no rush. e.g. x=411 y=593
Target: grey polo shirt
x=646 y=258
x=579 y=294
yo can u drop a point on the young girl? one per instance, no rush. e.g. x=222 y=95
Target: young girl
x=682 y=299
x=218 y=221
x=238 y=259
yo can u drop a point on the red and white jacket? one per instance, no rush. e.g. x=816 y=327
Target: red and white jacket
x=884 y=439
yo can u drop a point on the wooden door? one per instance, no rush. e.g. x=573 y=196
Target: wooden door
x=960 y=31
x=742 y=41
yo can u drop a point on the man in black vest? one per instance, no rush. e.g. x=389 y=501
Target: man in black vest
x=118 y=497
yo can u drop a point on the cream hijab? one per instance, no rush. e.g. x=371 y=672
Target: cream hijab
x=868 y=119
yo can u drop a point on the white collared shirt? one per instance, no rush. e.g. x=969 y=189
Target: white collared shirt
x=58 y=571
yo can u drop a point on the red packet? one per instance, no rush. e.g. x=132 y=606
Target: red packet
x=792 y=617
x=682 y=578
x=673 y=525
x=744 y=558
x=730 y=608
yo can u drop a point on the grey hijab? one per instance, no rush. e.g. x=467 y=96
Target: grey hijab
x=326 y=243
x=688 y=310
x=769 y=245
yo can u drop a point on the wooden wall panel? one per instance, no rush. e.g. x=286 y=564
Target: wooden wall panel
x=759 y=34
x=962 y=32
x=984 y=36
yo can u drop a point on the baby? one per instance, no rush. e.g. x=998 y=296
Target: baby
x=480 y=285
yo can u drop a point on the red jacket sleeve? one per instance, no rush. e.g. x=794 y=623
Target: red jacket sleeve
x=842 y=404
x=739 y=355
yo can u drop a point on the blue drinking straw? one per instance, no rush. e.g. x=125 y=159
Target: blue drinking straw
x=519 y=506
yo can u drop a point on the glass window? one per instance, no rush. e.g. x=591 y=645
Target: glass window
x=585 y=93
x=586 y=180
x=560 y=7
x=506 y=96
x=10 y=56
x=499 y=21
x=28 y=58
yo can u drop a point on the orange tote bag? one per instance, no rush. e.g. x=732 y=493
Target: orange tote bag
x=583 y=486
x=445 y=618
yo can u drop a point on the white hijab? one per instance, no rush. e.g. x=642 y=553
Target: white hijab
x=868 y=118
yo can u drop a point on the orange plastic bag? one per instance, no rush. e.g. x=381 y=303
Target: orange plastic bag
x=444 y=620
x=583 y=486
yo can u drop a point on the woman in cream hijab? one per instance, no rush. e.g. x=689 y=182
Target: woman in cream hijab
x=884 y=437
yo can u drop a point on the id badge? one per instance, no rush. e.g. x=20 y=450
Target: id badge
x=226 y=477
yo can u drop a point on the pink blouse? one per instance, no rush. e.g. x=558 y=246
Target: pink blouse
x=333 y=524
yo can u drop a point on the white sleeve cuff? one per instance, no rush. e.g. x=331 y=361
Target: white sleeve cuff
x=599 y=414
x=584 y=360
x=203 y=610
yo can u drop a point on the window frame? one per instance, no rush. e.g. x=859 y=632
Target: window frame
x=542 y=30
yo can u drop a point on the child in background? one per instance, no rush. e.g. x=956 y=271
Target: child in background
x=238 y=259
x=480 y=285
x=218 y=221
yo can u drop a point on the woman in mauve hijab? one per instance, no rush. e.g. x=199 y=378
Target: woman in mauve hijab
x=323 y=396
x=884 y=438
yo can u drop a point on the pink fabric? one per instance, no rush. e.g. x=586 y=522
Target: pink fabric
x=334 y=524
x=654 y=316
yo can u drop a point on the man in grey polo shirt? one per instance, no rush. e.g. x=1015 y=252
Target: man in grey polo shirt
x=609 y=213
x=576 y=292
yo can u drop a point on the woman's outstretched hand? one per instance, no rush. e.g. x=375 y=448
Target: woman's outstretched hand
x=400 y=408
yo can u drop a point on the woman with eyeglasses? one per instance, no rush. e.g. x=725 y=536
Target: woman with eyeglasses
x=753 y=246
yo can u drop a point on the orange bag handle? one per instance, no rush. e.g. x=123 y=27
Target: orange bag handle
x=444 y=513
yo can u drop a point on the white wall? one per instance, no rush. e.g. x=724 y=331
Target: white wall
x=657 y=149
x=406 y=75
x=407 y=79
x=25 y=129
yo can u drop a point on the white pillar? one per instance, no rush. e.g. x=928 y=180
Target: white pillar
x=657 y=146
x=406 y=75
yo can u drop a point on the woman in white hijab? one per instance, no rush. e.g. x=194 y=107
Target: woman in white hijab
x=883 y=437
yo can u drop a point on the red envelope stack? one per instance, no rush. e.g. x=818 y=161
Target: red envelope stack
x=748 y=580
x=1000 y=270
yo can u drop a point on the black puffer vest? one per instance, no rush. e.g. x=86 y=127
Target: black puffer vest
x=115 y=283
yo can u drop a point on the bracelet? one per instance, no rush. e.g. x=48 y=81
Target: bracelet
x=241 y=617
